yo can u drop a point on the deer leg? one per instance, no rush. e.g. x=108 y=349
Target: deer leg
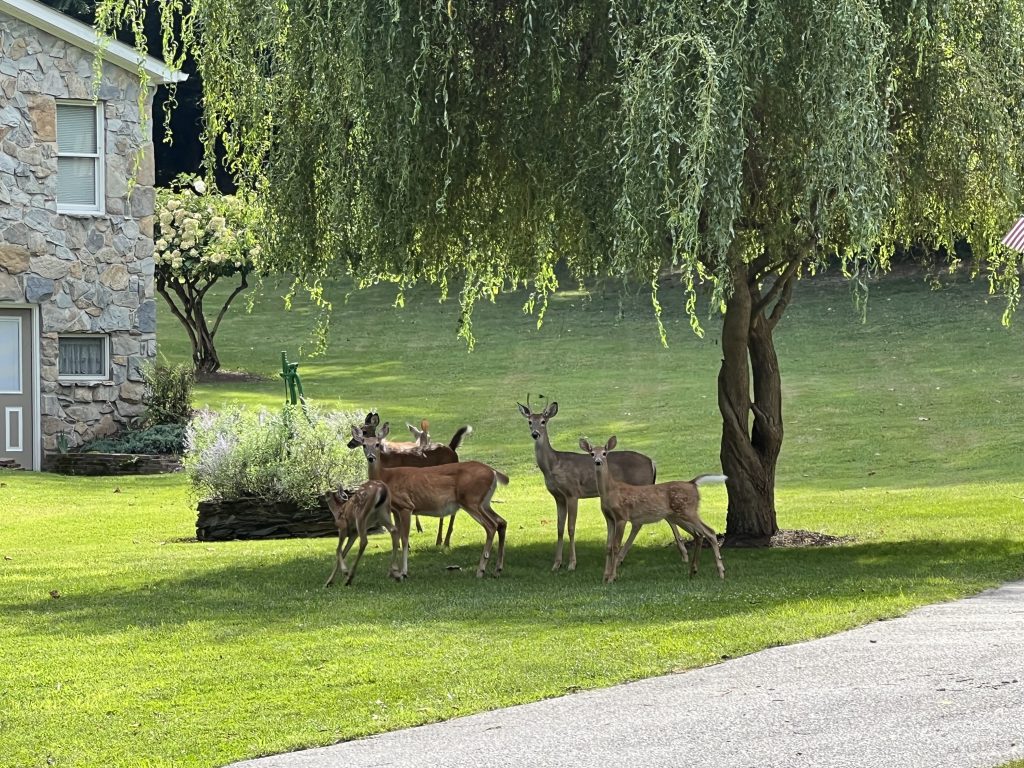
x=339 y=559
x=610 y=525
x=618 y=533
x=363 y=539
x=712 y=538
x=394 y=567
x=419 y=526
x=402 y=520
x=572 y=506
x=483 y=517
x=698 y=544
x=679 y=541
x=502 y=525
x=560 y=505
x=447 y=536
x=634 y=529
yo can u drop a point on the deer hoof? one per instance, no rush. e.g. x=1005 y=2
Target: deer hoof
x=558 y=564
x=572 y=566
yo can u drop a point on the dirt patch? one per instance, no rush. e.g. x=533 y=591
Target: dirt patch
x=229 y=376
x=807 y=539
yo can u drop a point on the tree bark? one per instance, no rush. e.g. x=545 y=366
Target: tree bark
x=750 y=400
x=192 y=316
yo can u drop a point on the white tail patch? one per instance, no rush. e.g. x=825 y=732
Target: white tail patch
x=706 y=479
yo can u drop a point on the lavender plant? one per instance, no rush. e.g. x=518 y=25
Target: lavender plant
x=276 y=456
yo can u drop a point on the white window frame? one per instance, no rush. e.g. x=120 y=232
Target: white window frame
x=85 y=378
x=99 y=157
x=21 y=353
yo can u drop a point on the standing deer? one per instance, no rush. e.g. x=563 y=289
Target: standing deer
x=569 y=477
x=420 y=453
x=369 y=506
x=677 y=502
x=438 y=492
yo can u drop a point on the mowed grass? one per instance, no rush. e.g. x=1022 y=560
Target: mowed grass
x=903 y=432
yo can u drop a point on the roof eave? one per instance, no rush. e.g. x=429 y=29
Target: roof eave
x=82 y=35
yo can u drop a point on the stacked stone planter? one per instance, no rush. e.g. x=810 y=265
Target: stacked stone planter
x=229 y=519
x=96 y=464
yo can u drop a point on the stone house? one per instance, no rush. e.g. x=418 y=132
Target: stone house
x=77 y=310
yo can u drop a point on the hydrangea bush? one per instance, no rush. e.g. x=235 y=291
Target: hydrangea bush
x=201 y=236
x=275 y=456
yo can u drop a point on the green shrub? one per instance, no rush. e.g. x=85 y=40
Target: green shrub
x=281 y=456
x=168 y=396
x=162 y=438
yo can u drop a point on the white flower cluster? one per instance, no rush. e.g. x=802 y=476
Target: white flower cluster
x=200 y=233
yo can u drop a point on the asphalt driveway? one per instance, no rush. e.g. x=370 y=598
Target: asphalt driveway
x=943 y=686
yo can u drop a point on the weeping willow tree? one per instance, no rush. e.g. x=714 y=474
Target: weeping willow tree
x=740 y=143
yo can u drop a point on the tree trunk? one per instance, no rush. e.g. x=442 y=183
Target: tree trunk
x=751 y=423
x=193 y=318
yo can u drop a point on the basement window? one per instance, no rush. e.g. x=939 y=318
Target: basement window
x=83 y=358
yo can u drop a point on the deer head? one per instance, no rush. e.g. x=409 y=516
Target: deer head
x=371 y=443
x=539 y=421
x=369 y=425
x=599 y=453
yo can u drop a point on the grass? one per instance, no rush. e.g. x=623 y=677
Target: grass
x=159 y=651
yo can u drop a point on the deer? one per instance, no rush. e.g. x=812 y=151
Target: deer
x=677 y=502
x=438 y=491
x=369 y=506
x=422 y=452
x=569 y=476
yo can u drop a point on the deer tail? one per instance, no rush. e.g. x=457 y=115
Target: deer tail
x=460 y=434
x=706 y=479
x=501 y=477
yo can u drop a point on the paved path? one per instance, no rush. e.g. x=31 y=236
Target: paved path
x=943 y=686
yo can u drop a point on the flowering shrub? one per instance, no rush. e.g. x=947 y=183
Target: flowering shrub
x=201 y=237
x=199 y=234
x=281 y=456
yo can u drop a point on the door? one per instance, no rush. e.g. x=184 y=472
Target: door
x=17 y=420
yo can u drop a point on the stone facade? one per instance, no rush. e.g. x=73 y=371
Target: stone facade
x=86 y=272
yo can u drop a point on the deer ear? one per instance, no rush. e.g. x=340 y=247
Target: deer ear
x=552 y=409
x=585 y=445
x=384 y=431
x=371 y=419
x=611 y=443
x=425 y=425
x=524 y=410
x=357 y=437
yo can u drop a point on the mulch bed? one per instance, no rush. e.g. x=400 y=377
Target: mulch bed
x=807 y=539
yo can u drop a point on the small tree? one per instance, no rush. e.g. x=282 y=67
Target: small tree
x=201 y=237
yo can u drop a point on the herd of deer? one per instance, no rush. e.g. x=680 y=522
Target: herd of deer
x=407 y=480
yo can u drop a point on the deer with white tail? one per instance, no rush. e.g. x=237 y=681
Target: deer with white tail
x=569 y=476
x=438 y=492
x=676 y=502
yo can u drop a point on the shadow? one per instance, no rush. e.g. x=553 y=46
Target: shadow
x=264 y=591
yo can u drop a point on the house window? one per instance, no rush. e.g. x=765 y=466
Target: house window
x=79 y=157
x=83 y=358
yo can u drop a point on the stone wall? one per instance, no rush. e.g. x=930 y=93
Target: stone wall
x=87 y=272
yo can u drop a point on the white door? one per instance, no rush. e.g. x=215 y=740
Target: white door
x=17 y=437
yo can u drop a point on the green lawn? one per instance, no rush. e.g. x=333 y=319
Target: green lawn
x=903 y=432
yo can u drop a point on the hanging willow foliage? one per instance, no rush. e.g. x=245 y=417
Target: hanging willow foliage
x=473 y=144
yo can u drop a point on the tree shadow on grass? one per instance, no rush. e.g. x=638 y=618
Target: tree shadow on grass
x=653 y=589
